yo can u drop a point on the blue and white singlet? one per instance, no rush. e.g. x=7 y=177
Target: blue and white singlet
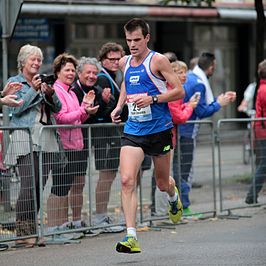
x=153 y=118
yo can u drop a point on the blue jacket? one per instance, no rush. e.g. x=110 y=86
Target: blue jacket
x=194 y=84
x=25 y=114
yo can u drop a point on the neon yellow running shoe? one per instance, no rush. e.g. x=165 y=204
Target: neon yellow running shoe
x=128 y=245
x=175 y=209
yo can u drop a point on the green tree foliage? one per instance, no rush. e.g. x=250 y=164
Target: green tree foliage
x=188 y=2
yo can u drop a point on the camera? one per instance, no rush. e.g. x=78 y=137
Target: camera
x=48 y=79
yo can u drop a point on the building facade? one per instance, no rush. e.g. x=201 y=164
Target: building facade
x=81 y=27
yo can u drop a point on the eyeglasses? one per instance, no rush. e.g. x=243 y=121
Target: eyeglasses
x=113 y=59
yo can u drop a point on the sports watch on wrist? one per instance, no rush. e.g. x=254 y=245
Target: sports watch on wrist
x=154 y=99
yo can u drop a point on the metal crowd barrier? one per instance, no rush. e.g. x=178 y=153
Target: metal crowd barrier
x=87 y=194
x=55 y=220
x=203 y=171
x=18 y=203
x=236 y=163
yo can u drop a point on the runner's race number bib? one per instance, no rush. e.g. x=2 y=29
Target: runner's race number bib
x=138 y=114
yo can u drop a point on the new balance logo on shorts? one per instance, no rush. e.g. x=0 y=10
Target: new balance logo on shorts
x=167 y=148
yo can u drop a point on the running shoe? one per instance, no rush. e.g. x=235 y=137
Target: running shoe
x=56 y=233
x=3 y=247
x=106 y=228
x=196 y=185
x=175 y=209
x=87 y=232
x=128 y=245
x=189 y=214
x=250 y=200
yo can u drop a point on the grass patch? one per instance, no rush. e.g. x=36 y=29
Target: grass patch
x=244 y=179
x=240 y=179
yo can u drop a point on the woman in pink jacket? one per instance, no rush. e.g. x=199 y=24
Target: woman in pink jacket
x=180 y=111
x=71 y=177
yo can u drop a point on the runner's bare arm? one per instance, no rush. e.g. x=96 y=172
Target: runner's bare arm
x=161 y=66
x=122 y=63
x=115 y=115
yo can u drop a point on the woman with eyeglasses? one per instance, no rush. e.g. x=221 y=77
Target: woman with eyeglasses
x=106 y=140
x=39 y=100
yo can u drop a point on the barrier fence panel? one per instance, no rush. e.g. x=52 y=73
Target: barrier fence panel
x=203 y=199
x=238 y=158
x=18 y=203
x=81 y=182
x=80 y=186
x=63 y=165
x=105 y=177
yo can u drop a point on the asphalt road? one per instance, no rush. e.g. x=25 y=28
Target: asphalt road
x=219 y=241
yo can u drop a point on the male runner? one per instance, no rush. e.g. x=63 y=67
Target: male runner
x=149 y=124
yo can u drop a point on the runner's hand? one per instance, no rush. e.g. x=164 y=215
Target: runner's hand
x=141 y=100
x=115 y=115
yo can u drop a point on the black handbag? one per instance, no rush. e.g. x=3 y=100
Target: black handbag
x=59 y=159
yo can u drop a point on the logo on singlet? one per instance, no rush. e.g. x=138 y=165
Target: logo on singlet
x=134 y=80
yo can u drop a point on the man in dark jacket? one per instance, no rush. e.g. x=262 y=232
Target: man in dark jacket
x=198 y=82
x=107 y=143
x=106 y=140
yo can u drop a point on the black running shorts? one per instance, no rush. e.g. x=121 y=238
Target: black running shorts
x=153 y=144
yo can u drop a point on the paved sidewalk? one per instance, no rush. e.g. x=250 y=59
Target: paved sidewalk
x=209 y=242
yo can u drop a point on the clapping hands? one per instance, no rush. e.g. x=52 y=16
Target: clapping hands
x=106 y=94
x=11 y=100
x=8 y=92
x=11 y=88
x=231 y=95
x=88 y=100
x=225 y=98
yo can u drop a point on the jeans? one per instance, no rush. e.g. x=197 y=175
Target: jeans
x=260 y=174
x=186 y=159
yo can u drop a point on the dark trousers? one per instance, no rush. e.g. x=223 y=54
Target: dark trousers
x=186 y=159
x=260 y=174
x=29 y=188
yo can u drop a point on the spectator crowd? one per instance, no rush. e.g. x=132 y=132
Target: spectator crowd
x=88 y=91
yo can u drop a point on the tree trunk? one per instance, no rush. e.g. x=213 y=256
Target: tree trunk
x=260 y=31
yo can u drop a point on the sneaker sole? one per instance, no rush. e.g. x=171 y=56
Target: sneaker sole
x=124 y=249
x=4 y=247
x=113 y=230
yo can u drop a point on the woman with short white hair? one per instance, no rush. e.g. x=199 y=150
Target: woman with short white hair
x=38 y=101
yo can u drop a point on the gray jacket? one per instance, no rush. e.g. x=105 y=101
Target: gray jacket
x=25 y=114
